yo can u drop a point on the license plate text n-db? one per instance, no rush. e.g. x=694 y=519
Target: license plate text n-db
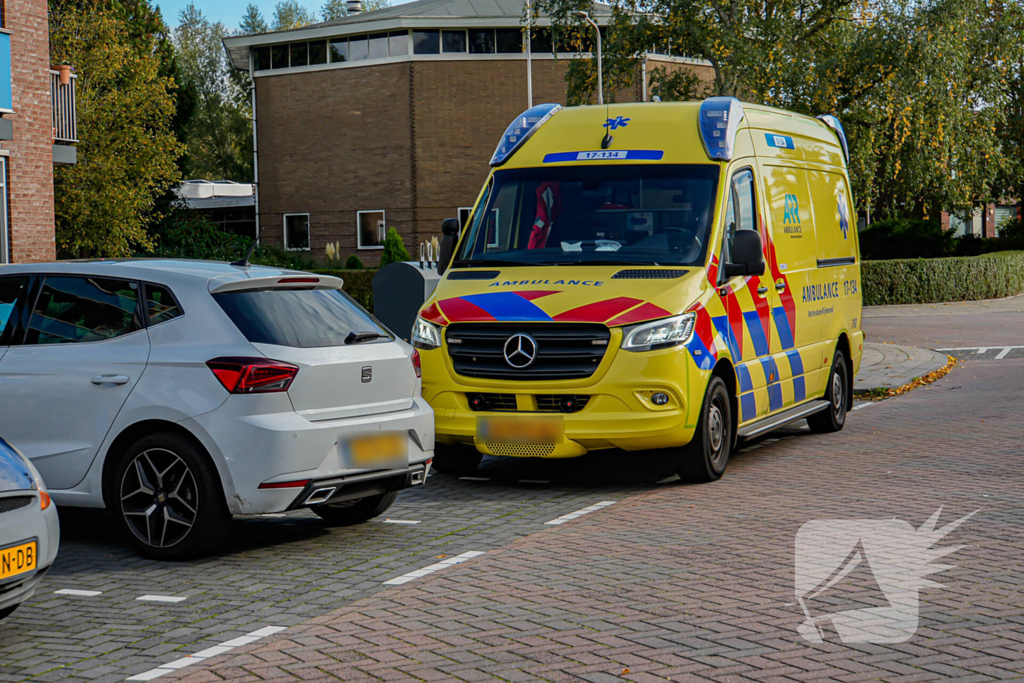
x=17 y=559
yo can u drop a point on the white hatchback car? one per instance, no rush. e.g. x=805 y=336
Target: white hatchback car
x=177 y=393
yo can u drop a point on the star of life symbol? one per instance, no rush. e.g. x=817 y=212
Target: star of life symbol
x=890 y=553
x=617 y=122
x=844 y=216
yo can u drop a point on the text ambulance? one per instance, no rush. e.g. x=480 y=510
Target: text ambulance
x=647 y=276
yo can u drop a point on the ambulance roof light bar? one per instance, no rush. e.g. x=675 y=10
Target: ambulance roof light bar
x=719 y=119
x=520 y=130
x=833 y=123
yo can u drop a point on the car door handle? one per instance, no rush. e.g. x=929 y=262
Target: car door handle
x=762 y=291
x=779 y=286
x=110 y=379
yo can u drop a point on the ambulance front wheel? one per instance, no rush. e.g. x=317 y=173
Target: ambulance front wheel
x=705 y=457
x=833 y=418
x=459 y=459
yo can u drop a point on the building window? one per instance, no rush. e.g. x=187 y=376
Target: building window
x=378 y=46
x=299 y=53
x=398 y=43
x=5 y=245
x=261 y=58
x=426 y=42
x=370 y=229
x=358 y=48
x=509 y=40
x=453 y=41
x=279 y=57
x=464 y=212
x=481 y=41
x=318 y=52
x=339 y=50
x=540 y=41
x=296 y=231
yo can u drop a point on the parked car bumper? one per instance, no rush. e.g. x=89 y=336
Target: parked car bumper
x=23 y=525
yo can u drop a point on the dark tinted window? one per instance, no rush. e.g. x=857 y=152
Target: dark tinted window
x=300 y=54
x=481 y=41
x=83 y=309
x=261 y=58
x=378 y=46
x=160 y=304
x=302 y=318
x=540 y=41
x=279 y=56
x=453 y=41
x=357 y=49
x=339 y=50
x=509 y=40
x=12 y=291
x=426 y=42
x=318 y=52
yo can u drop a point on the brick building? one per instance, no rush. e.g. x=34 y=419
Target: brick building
x=37 y=130
x=388 y=118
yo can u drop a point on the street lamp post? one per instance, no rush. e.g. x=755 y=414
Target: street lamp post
x=600 y=86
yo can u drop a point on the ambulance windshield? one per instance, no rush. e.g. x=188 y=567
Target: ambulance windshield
x=577 y=215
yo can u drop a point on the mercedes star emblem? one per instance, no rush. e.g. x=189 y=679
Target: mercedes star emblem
x=520 y=351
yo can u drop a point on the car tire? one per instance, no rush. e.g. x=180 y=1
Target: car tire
x=167 y=498
x=460 y=459
x=355 y=512
x=705 y=457
x=833 y=418
x=7 y=611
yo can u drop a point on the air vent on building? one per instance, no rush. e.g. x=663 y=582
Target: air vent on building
x=354 y=7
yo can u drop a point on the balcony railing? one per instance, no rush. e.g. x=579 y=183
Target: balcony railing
x=65 y=114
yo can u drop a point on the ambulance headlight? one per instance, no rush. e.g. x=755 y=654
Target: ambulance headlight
x=659 y=334
x=425 y=335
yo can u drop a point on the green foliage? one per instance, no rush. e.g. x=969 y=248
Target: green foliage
x=127 y=152
x=353 y=263
x=290 y=14
x=920 y=281
x=905 y=238
x=394 y=249
x=218 y=135
x=358 y=284
x=252 y=21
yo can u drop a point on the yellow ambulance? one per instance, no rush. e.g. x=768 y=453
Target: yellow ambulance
x=647 y=276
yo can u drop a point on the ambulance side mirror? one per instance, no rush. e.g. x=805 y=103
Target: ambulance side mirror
x=747 y=254
x=449 y=238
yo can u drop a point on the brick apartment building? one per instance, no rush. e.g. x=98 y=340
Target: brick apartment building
x=389 y=118
x=37 y=130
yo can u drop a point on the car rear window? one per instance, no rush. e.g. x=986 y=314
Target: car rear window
x=303 y=318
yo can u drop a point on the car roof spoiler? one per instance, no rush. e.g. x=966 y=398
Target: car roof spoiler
x=283 y=281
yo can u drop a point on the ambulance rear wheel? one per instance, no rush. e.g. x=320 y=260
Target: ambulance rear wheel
x=833 y=418
x=705 y=457
x=459 y=459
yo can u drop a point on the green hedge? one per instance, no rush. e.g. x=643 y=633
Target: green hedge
x=935 y=280
x=358 y=284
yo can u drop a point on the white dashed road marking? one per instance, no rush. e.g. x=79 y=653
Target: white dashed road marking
x=863 y=405
x=401 y=521
x=406 y=578
x=81 y=594
x=162 y=598
x=170 y=667
x=579 y=513
x=982 y=350
x=475 y=478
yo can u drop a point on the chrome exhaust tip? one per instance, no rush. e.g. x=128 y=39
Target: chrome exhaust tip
x=320 y=496
x=418 y=477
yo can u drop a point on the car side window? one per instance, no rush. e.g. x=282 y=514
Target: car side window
x=161 y=305
x=741 y=211
x=83 y=309
x=13 y=291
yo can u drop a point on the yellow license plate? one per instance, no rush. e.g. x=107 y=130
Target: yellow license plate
x=378 y=450
x=520 y=430
x=17 y=560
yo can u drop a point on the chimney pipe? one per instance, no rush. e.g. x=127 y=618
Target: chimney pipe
x=354 y=7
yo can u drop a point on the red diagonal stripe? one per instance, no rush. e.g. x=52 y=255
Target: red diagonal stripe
x=459 y=310
x=598 y=311
x=432 y=314
x=531 y=295
x=640 y=314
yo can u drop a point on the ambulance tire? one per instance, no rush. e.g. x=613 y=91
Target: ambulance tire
x=833 y=418
x=459 y=459
x=705 y=457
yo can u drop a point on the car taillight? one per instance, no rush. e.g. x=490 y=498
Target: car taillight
x=416 y=363
x=253 y=375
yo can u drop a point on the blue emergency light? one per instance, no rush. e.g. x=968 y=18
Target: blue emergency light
x=833 y=123
x=719 y=119
x=520 y=130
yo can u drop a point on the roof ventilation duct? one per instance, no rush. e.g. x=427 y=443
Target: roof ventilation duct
x=354 y=7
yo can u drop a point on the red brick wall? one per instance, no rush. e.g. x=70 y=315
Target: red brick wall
x=30 y=165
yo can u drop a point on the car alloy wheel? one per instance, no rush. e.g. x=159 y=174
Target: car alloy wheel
x=159 y=498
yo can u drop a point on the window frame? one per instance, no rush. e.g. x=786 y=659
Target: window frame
x=725 y=256
x=284 y=232
x=36 y=290
x=359 y=234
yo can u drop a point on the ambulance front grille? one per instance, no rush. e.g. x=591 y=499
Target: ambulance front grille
x=640 y=274
x=564 y=350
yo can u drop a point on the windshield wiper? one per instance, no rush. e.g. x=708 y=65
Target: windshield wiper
x=601 y=262
x=472 y=263
x=360 y=337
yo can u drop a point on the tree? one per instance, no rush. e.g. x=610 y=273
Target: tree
x=252 y=21
x=126 y=107
x=290 y=14
x=218 y=138
x=394 y=249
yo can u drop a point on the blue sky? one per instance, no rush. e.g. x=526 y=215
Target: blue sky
x=229 y=12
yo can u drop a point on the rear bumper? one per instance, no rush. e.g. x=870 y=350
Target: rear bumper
x=355 y=486
x=279 y=446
